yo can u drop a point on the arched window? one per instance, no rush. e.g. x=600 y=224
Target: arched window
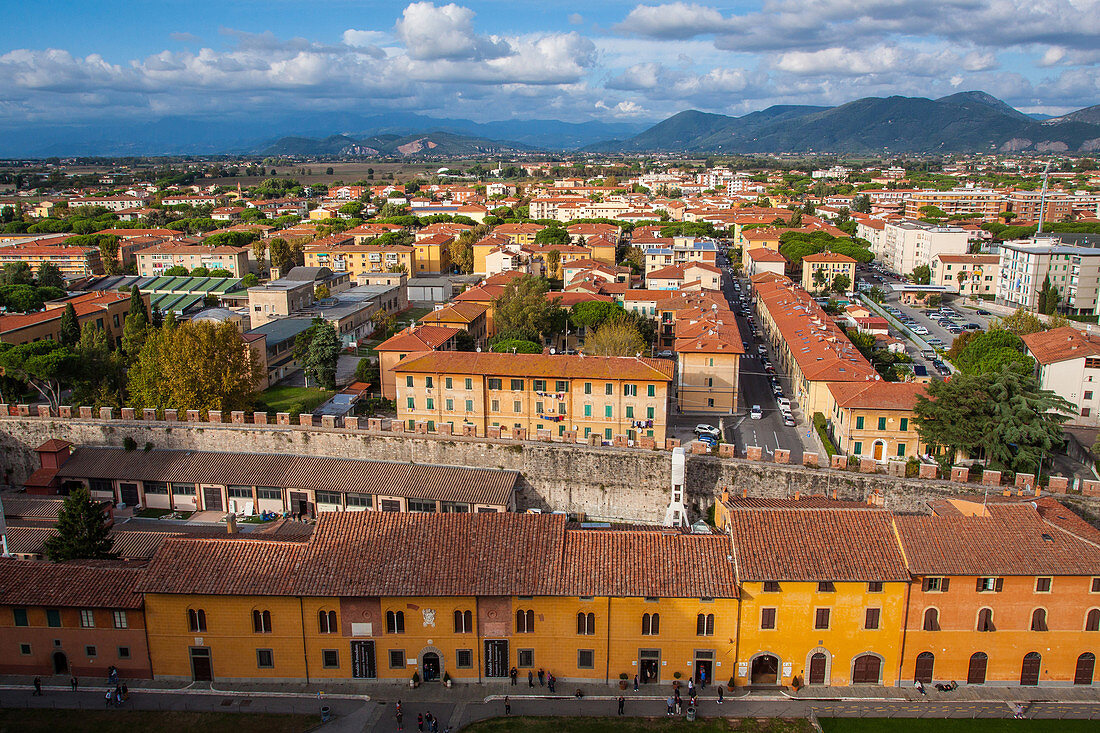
x=985 y=620
x=261 y=622
x=196 y=619
x=975 y=674
x=1029 y=670
x=651 y=624
x=1039 y=619
x=926 y=662
x=586 y=623
x=704 y=624
x=1092 y=620
x=326 y=622
x=525 y=622
x=395 y=622
x=464 y=622
x=931 y=619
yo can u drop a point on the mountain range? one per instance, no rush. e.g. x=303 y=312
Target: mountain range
x=965 y=122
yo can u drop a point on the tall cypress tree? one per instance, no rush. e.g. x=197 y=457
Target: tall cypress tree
x=81 y=531
x=70 y=327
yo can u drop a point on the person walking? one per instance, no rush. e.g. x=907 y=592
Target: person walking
x=513 y=675
x=37 y=687
x=542 y=677
x=691 y=687
x=107 y=699
x=72 y=683
x=702 y=679
x=400 y=718
x=635 y=683
x=420 y=722
x=530 y=678
x=720 y=694
x=507 y=706
x=622 y=702
x=669 y=703
x=551 y=682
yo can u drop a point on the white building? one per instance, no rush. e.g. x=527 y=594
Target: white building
x=1026 y=263
x=1068 y=363
x=910 y=244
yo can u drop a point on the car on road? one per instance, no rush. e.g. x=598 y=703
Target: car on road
x=761 y=349
x=745 y=345
x=784 y=404
x=666 y=354
x=756 y=413
x=983 y=312
x=972 y=327
x=704 y=429
x=788 y=420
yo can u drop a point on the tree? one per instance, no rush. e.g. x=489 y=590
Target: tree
x=921 y=275
x=49 y=276
x=16 y=273
x=1049 y=297
x=322 y=354
x=108 y=253
x=45 y=365
x=592 y=313
x=553 y=263
x=1020 y=323
x=519 y=346
x=465 y=341
x=933 y=300
x=100 y=380
x=461 y=250
x=841 y=283
x=953 y=414
x=259 y=253
x=862 y=204
x=617 y=336
x=194 y=366
x=70 y=328
x=993 y=351
x=1026 y=420
x=82 y=533
x=200 y=272
x=175 y=271
x=281 y=257
x=321 y=292
x=135 y=327
x=819 y=278
x=524 y=311
x=553 y=234
x=220 y=272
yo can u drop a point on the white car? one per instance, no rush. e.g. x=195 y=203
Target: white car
x=784 y=404
x=704 y=429
x=920 y=330
x=756 y=413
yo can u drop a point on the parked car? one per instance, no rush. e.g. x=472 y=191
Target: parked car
x=972 y=327
x=920 y=330
x=788 y=420
x=777 y=391
x=784 y=404
x=761 y=349
x=666 y=354
x=703 y=429
x=983 y=312
x=708 y=441
x=756 y=413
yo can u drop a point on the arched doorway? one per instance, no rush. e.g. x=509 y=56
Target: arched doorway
x=975 y=674
x=879 y=450
x=818 y=664
x=765 y=670
x=1086 y=665
x=926 y=662
x=1029 y=671
x=866 y=670
x=430 y=666
x=60 y=663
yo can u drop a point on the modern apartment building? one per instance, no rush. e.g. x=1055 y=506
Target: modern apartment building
x=830 y=265
x=153 y=261
x=1068 y=363
x=966 y=274
x=986 y=203
x=74 y=262
x=910 y=244
x=1025 y=265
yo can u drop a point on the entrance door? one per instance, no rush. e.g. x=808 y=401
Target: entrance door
x=496 y=657
x=878 y=451
x=60 y=663
x=128 y=493
x=200 y=665
x=299 y=503
x=975 y=675
x=765 y=670
x=866 y=670
x=362 y=660
x=1029 y=672
x=650 y=663
x=817 y=669
x=1086 y=664
x=430 y=666
x=212 y=498
x=704 y=667
x=926 y=662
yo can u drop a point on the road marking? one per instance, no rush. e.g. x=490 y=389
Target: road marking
x=776 y=439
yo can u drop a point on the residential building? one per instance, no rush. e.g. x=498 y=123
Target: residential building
x=359 y=259
x=986 y=203
x=1026 y=264
x=682 y=251
x=1068 y=363
x=468 y=317
x=112 y=203
x=910 y=244
x=411 y=340
x=153 y=261
x=761 y=260
x=73 y=262
x=708 y=359
x=967 y=274
x=433 y=254
x=103 y=310
x=589 y=395
x=874 y=419
x=692 y=276
x=830 y=265
x=1026 y=205
x=757 y=239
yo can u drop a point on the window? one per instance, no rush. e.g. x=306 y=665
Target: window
x=859 y=422
x=586 y=623
x=1042 y=585
x=53 y=617
x=196 y=619
x=469 y=405
x=871 y=618
x=330 y=658
x=429 y=403
x=326 y=622
x=561 y=386
x=630 y=390
x=265 y=658
x=261 y=622
x=464 y=622
x=155 y=487
x=771 y=586
x=821 y=618
x=328 y=497
x=416 y=505
x=588 y=388
x=450 y=404
x=517 y=385
x=826 y=586
x=904 y=424
x=1092 y=620
x=651 y=624
x=931 y=619
x=704 y=624
x=1039 y=619
x=397 y=658
x=935 y=585
x=767 y=618
x=985 y=620
x=882 y=423
x=239 y=492
x=25 y=649
x=990 y=585
x=124 y=652
x=875 y=586
x=649 y=413
x=495 y=383
x=408 y=381
x=1088 y=394
x=90 y=650
x=428 y=382
x=359 y=500
x=607 y=411
x=395 y=622
x=525 y=658
x=449 y=383
x=857 y=447
x=1095 y=585
x=630 y=411
x=525 y=622
x=586 y=659
x=609 y=389
x=539 y=385
x=119 y=617
x=464 y=658
x=87 y=618
x=410 y=403
x=517 y=406
x=183 y=489
x=651 y=390
x=494 y=405
x=19 y=616
x=588 y=410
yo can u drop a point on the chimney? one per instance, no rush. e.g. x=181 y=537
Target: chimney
x=231 y=524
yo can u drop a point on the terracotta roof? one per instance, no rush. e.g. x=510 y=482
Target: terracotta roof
x=29 y=506
x=1004 y=539
x=558 y=366
x=455 y=312
x=763 y=254
x=84 y=584
x=806 y=543
x=418 y=338
x=876 y=395
x=83 y=306
x=224 y=566
x=969 y=259
x=828 y=257
x=1061 y=344
x=53 y=445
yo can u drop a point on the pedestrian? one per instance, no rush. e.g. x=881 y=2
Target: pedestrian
x=693 y=693
x=542 y=677
x=920 y=688
x=420 y=722
x=720 y=694
x=702 y=679
x=400 y=717
x=669 y=703
x=72 y=683
x=513 y=674
x=37 y=687
x=507 y=706
x=622 y=702
x=691 y=687
x=635 y=683
x=429 y=720
x=530 y=678
x=435 y=725
x=550 y=681
x=125 y=692
x=107 y=699
x=679 y=706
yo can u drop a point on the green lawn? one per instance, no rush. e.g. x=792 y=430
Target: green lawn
x=148 y=513
x=954 y=725
x=294 y=400
x=635 y=725
x=135 y=721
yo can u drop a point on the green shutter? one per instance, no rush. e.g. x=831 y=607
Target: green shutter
x=859 y=424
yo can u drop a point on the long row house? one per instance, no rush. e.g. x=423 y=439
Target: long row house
x=812 y=591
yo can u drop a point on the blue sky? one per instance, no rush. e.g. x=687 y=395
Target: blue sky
x=497 y=59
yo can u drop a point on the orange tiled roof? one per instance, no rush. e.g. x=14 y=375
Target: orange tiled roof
x=877 y=395
x=557 y=366
x=829 y=257
x=418 y=338
x=455 y=313
x=1061 y=344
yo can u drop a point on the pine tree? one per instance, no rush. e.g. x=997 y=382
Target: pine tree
x=135 y=328
x=70 y=327
x=137 y=305
x=81 y=531
x=322 y=355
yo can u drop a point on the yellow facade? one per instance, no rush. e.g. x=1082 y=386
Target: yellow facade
x=432 y=256
x=361 y=259
x=830 y=266
x=878 y=434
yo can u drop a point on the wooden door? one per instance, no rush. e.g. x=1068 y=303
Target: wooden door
x=975 y=675
x=817 y=669
x=1029 y=671
x=1086 y=664
x=201 y=670
x=212 y=499
x=926 y=663
x=128 y=493
x=362 y=660
x=866 y=671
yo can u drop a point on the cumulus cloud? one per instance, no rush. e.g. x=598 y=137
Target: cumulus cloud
x=445 y=32
x=673 y=20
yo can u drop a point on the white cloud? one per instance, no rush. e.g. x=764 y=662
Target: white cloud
x=576 y=19
x=672 y=20
x=445 y=32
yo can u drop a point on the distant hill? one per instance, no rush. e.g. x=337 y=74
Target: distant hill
x=429 y=144
x=959 y=123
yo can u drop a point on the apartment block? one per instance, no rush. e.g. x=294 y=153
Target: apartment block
x=910 y=244
x=1026 y=264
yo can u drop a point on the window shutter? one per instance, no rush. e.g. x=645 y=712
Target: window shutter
x=979 y=588
x=944 y=583
x=1000 y=584
x=924 y=583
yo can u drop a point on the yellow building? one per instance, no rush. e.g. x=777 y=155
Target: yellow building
x=759 y=239
x=820 y=270
x=708 y=364
x=433 y=255
x=588 y=395
x=360 y=259
x=874 y=419
x=368 y=597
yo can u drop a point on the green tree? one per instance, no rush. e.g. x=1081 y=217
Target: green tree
x=250 y=280
x=617 y=336
x=553 y=263
x=70 y=328
x=921 y=275
x=861 y=204
x=1021 y=323
x=465 y=341
x=461 y=250
x=524 y=311
x=49 y=276
x=108 y=254
x=281 y=257
x=135 y=327
x=45 y=365
x=322 y=355
x=1049 y=297
x=16 y=273
x=519 y=346
x=259 y=253
x=553 y=234
x=953 y=414
x=992 y=351
x=592 y=313
x=1026 y=420
x=175 y=271
x=820 y=278
x=841 y=283
x=82 y=532
x=100 y=380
